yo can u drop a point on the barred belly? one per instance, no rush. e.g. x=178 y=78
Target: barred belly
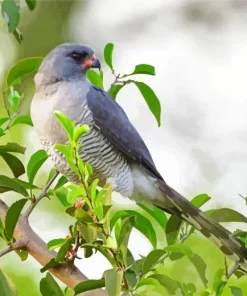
x=107 y=162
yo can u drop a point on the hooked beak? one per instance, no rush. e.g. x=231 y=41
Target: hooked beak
x=96 y=64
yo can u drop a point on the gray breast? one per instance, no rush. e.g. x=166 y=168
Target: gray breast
x=109 y=165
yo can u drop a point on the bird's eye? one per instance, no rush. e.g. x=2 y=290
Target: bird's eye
x=78 y=56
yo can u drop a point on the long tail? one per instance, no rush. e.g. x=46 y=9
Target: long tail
x=176 y=204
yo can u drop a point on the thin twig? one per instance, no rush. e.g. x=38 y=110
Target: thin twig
x=117 y=80
x=6 y=105
x=19 y=244
x=37 y=200
x=11 y=117
x=77 y=246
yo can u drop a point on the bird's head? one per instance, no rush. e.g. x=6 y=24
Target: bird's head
x=67 y=62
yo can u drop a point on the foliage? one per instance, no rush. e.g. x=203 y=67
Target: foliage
x=98 y=225
x=11 y=14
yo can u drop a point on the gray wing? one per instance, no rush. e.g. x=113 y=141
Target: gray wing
x=113 y=122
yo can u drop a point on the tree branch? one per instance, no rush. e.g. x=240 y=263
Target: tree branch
x=19 y=244
x=37 y=200
x=117 y=80
x=70 y=275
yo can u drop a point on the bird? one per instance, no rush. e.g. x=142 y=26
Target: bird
x=113 y=147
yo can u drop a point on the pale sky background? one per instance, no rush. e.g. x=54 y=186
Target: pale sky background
x=201 y=65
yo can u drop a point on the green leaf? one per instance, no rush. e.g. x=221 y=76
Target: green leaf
x=80 y=131
x=93 y=190
x=12 y=147
x=31 y=4
x=55 y=243
x=12 y=216
x=12 y=185
x=89 y=285
x=14 y=99
x=99 y=212
x=195 y=259
x=79 y=214
x=48 y=286
x=23 y=254
x=239 y=274
x=14 y=164
x=200 y=266
x=226 y=215
x=25 y=66
x=155 y=212
x=179 y=248
x=88 y=252
x=3 y=120
x=200 y=200
x=131 y=278
x=123 y=238
x=205 y=293
x=218 y=283
x=7 y=287
x=52 y=174
x=95 y=78
x=111 y=243
x=151 y=99
x=63 y=250
x=152 y=259
x=150 y=286
x=22 y=119
x=17 y=34
x=173 y=226
x=34 y=164
x=61 y=194
x=1 y=132
x=100 y=249
x=66 y=123
x=236 y=291
x=65 y=149
x=89 y=232
x=25 y=184
x=10 y=12
x=52 y=263
x=142 y=224
x=171 y=285
x=2 y=230
x=75 y=192
x=113 y=281
x=108 y=50
x=142 y=69
x=189 y=289
x=114 y=90
x=125 y=231
x=61 y=181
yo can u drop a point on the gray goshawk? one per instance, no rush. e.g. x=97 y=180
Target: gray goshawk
x=113 y=147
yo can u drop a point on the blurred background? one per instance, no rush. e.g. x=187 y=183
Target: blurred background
x=199 y=50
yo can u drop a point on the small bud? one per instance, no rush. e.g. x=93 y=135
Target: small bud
x=80 y=204
x=68 y=236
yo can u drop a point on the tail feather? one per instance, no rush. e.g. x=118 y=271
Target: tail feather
x=176 y=204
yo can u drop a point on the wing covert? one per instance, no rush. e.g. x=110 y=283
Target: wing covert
x=113 y=122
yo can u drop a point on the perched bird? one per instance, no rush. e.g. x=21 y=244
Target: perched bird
x=113 y=147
